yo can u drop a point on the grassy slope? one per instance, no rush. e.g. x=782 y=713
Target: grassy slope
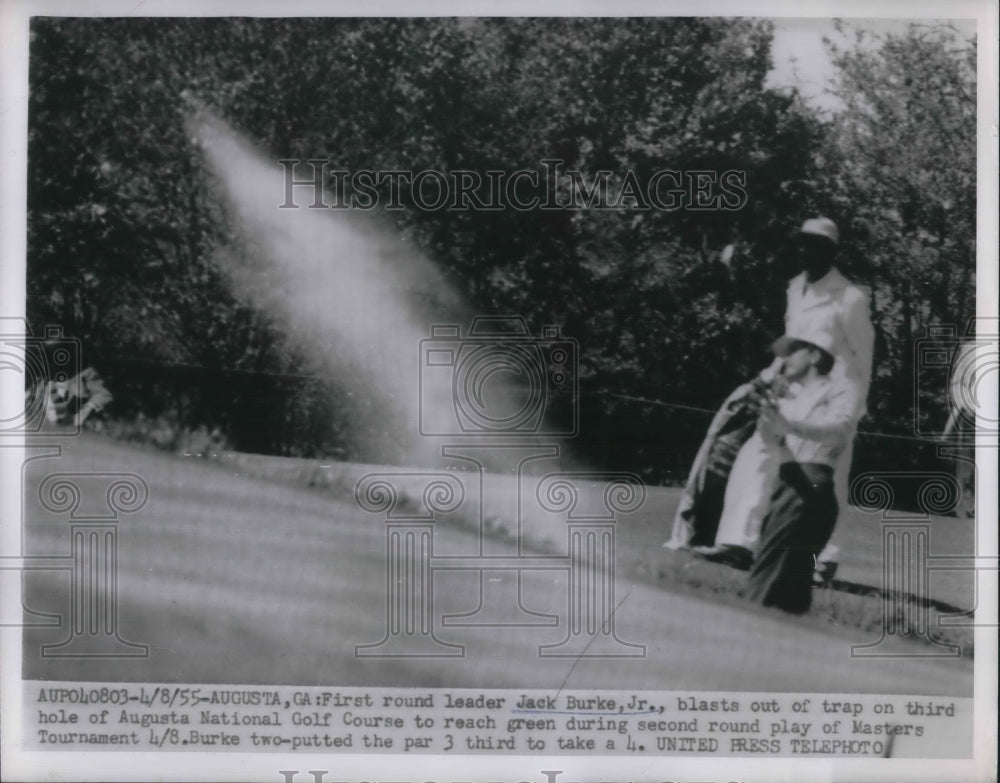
x=855 y=603
x=230 y=578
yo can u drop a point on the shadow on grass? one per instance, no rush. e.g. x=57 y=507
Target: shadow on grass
x=841 y=604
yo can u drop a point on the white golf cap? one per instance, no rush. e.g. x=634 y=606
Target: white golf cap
x=821 y=227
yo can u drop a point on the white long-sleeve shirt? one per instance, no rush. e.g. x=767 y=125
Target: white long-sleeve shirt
x=838 y=307
x=821 y=417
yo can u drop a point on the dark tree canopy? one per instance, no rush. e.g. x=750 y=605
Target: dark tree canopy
x=124 y=224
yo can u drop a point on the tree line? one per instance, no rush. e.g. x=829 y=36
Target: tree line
x=124 y=224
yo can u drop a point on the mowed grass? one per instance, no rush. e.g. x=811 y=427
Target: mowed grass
x=856 y=600
x=258 y=570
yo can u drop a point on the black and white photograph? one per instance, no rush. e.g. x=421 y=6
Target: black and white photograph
x=586 y=391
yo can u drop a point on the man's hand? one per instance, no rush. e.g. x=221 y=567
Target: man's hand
x=779 y=387
x=773 y=426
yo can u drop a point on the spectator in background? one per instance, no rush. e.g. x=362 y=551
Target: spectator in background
x=69 y=402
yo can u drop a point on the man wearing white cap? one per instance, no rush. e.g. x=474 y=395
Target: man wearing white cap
x=821 y=298
x=809 y=432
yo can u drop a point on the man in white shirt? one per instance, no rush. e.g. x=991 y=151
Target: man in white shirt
x=810 y=432
x=821 y=298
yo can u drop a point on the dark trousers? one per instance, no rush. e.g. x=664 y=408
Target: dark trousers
x=799 y=522
x=707 y=509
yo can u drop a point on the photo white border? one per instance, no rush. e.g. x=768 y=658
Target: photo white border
x=63 y=765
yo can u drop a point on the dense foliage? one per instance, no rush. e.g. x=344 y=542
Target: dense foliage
x=124 y=225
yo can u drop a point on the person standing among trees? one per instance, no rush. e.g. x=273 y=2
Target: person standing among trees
x=821 y=298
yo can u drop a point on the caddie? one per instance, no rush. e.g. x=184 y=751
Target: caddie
x=821 y=299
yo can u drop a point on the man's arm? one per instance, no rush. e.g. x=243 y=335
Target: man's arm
x=829 y=423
